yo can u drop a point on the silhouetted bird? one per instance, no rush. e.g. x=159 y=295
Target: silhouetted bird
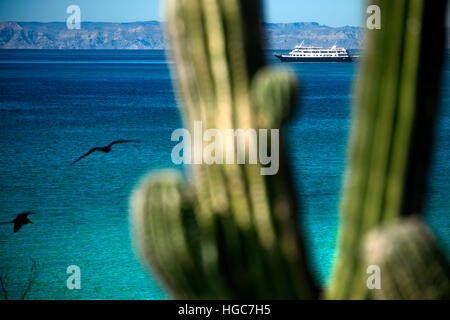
x=20 y=220
x=106 y=149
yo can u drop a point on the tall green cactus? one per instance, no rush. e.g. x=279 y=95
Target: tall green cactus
x=229 y=232
x=234 y=235
x=396 y=103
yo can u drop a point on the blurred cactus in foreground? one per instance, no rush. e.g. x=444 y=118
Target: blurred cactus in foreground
x=396 y=101
x=229 y=232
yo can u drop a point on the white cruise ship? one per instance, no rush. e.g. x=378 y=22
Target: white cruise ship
x=316 y=54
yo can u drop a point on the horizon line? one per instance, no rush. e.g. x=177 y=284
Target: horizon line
x=158 y=21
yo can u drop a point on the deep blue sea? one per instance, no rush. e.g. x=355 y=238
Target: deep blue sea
x=56 y=105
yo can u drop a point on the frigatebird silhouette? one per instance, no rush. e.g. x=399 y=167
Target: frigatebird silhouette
x=106 y=149
x=20 y=220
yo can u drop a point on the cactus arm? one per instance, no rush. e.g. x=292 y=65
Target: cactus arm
x=412 y=265
x=162 y=209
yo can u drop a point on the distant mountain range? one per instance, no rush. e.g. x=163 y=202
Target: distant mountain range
x=149 y=35
x=92 y=35
x=288 y=35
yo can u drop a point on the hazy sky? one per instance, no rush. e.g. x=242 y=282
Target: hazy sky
x=330 y=12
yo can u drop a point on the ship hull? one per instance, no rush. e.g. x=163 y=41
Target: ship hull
x=286 y=58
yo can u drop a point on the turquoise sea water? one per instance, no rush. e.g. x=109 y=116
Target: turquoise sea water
x=56 y=105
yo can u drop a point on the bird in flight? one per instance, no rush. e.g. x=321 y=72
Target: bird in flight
x=106 y=149
x=20 y=220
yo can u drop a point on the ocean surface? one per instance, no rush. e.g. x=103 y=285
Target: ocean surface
x=56 y=105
